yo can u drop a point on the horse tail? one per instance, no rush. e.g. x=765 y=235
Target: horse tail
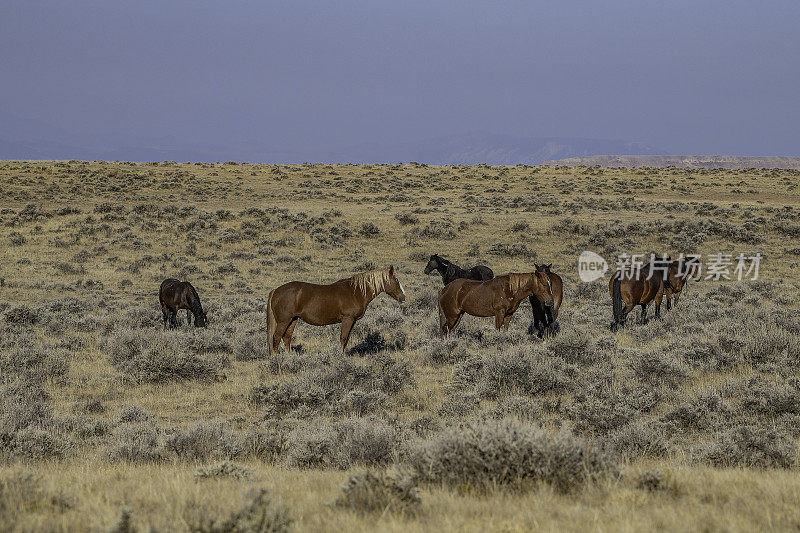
x=616 y=299
x=272 y=324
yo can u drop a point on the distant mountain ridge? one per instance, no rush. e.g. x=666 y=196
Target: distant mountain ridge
x=682 y=161
x=29 y=139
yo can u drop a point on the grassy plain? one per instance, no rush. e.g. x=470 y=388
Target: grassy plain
x=693 y=420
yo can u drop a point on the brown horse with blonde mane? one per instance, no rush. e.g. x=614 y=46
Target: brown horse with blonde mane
x=498 y=297
x=344 y=301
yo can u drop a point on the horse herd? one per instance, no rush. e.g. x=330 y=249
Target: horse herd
x=475 y=291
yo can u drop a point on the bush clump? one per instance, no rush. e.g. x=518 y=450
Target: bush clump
x=507 y=454
x=749 y=446
x=369 y=492
x=160 y=359
x=260 y=514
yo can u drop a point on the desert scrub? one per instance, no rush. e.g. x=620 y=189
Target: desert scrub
x=377 y=493
x=260 y=514
x=507 y=454
x=355 y=441
x=330 y=380
x=513 y=371
x=749 y=446
x=160 y=358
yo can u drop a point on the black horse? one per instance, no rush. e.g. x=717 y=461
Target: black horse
x=174 y=295
x=451 y=272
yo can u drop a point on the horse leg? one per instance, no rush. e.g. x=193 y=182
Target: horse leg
x=189 y=318
x=173 y=322
x=627 y=309
x=347 y=326
x=506 y=320
x=165 y=314
x=277 y=336
x=287 y=337
x=644 y=313
x=498 y=320
x=456 y=321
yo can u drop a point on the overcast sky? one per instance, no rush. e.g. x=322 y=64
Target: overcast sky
x=715 y=77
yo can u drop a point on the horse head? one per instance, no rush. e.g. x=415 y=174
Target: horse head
x=542 y=288
x=433 y=264
x=393 y=286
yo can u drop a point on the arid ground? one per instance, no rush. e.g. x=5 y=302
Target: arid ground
x=109 y=421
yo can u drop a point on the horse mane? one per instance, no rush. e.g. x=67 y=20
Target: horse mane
x=197 y=306
x=374 y=280
x=517 y=281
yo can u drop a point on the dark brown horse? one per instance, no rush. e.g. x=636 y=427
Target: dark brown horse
x=174 y=295
x=633 y=287
x=344 y=301
x=544 y=317
x=498 y=297
x=679 y=272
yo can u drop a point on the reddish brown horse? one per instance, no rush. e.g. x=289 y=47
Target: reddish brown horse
x=634 y=287
x=174 y=295
x=498 y=297
x=544 y=317
x=344 y=301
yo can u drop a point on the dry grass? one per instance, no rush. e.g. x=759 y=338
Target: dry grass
x=694 y=419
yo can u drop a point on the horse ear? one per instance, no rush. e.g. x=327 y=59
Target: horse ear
x=391 y=270
x=536 y=266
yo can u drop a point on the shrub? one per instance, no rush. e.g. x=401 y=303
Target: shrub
x=32 y=443
x=260 y=514
x=224 y=469
x=374 y=342
x=135 y=443
x=160 y=359
x=639 y=439
x=651 y=480
x=368 y=229
x=507 y=454
x=328 y=382
x=513 y=371
x=446 y=351
x=573 y=346
x=22 y=314
x=34 y=360
x=251 y=346
x=751 y=447
x=16 y=238
x=204 y=440
x=360 y=441
x=25 y=403
x=368 y=492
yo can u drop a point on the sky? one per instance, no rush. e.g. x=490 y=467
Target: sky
x=690 y=77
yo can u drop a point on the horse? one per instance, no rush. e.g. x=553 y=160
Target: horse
x=544 y=317
x=174 y=295
x=638 y=287
x=450 y=272
x=679 y=272
x=498 y=297
x=344 y=301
